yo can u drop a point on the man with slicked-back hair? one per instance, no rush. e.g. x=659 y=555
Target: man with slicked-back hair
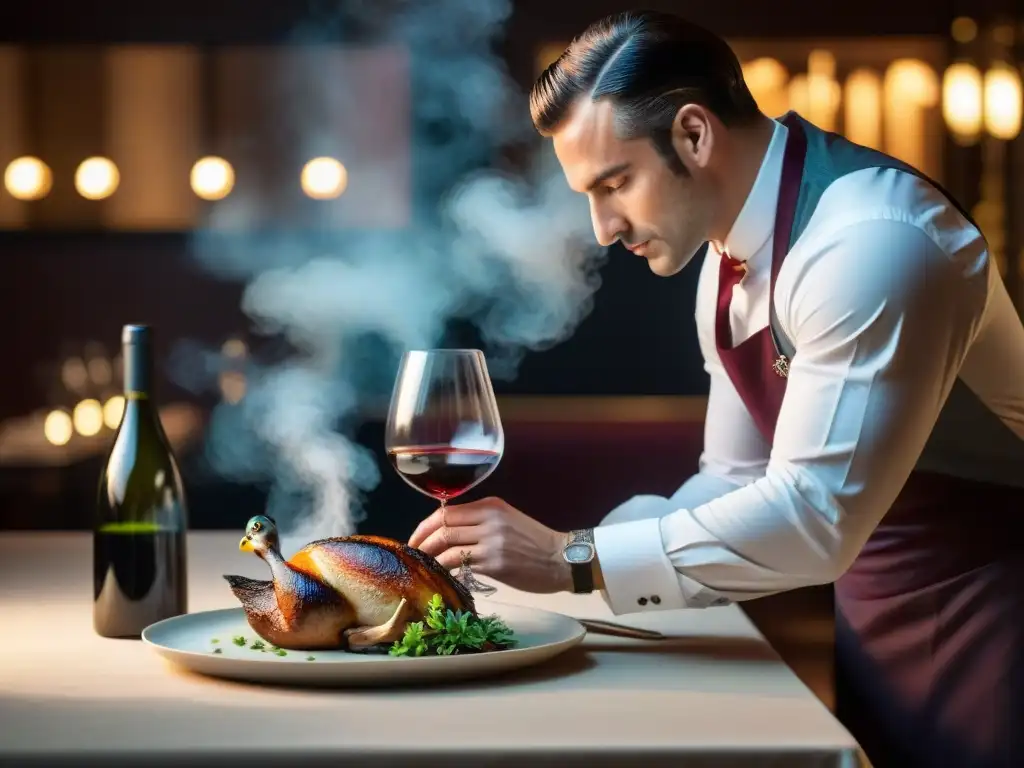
x=865 y=419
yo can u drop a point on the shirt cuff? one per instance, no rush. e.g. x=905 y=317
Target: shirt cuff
x=638 y=575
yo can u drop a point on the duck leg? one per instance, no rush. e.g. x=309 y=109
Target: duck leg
x=388 y=632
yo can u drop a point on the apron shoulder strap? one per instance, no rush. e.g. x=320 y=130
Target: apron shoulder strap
x=810 y=194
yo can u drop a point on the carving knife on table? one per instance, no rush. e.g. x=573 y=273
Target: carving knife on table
x=601 y=627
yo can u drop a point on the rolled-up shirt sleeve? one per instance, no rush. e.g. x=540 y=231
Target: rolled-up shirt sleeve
x=881 y=318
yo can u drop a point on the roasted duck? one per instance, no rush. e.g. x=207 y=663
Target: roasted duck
x=348 y=592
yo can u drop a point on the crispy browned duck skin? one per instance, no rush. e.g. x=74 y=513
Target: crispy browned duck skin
x=382 y=563
x=355 y=591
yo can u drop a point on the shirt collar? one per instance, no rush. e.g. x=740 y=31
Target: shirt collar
x=756 y=219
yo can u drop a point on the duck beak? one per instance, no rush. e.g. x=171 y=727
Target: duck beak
x=245 y=544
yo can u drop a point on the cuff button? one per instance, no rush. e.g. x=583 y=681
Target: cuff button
x=642 y=600
x=655 y=599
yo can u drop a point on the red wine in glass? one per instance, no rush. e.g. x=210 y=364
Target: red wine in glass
x=444 y=434
x=442 y=471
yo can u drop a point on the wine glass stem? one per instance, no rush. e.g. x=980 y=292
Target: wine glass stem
x=465 y=573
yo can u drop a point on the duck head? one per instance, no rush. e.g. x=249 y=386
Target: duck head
x=260 y=535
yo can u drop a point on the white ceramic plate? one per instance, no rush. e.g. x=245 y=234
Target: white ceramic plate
x=188 y=641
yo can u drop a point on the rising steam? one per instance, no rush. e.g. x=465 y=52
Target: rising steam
x=508 y=253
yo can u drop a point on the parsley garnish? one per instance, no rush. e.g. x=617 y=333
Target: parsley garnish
x=444 y=632
x=257 y=645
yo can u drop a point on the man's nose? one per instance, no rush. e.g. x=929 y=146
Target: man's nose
x=608 y=226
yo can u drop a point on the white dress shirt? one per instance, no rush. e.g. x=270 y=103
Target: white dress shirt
x=888 y=296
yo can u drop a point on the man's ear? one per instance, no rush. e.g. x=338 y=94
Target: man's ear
x=693 y=136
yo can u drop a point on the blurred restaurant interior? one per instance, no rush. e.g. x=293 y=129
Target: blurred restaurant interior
x=165 y=162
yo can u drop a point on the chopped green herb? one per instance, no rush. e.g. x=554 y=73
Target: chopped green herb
x=257 y=645
x=218 y=650
x=215 y=640
x=445 y=632
x=281 y=652
x=311 y=658
x=239 y=640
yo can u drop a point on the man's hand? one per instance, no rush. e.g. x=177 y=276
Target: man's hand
x=504 y=543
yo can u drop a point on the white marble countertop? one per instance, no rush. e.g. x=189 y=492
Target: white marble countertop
x=715 y=694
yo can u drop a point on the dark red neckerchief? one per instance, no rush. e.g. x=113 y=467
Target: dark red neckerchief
x=756 y=367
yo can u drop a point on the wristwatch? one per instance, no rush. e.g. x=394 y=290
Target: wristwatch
x=579 y=553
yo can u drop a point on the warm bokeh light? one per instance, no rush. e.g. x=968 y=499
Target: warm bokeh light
x=324 y=178
x=232 y=381
x=233 y=348
x=88 y=417
x=1003 y=101
x=232 y=386
x=823 y=91
x=766 y=78
x=113 y=410
x=57 y=428
x=863 y=108
x=964 y=29
x=962 y=101
x=28 y=178
x=910 y=86
x=212 y=178
x=74 y=374
x=97 y=178
x=1002 y=34
x=100 y=371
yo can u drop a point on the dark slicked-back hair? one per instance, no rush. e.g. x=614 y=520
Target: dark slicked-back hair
x=649 y=64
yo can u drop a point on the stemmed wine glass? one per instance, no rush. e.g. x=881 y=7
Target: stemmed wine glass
x=444 y=434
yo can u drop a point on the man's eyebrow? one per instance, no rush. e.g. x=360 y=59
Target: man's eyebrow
x=615 y=170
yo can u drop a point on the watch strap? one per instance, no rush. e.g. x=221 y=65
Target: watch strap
x=582 y=573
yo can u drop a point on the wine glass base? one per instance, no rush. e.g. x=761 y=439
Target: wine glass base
x=468 y=579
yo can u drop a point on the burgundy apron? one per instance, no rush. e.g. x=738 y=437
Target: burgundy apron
x=929 y=648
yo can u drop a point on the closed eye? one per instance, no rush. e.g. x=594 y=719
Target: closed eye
x=617 y=184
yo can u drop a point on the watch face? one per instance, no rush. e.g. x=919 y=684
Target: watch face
x=579 y=552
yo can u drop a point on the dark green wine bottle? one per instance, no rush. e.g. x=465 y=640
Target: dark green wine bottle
x=139 y=540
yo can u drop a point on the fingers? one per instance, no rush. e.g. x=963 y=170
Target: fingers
x=451 y=559
x=450 y=537
x=436 y=520
x=455 y=516
x=426 y=527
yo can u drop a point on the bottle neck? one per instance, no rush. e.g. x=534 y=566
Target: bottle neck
x=138 y=372
x=140 y=408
